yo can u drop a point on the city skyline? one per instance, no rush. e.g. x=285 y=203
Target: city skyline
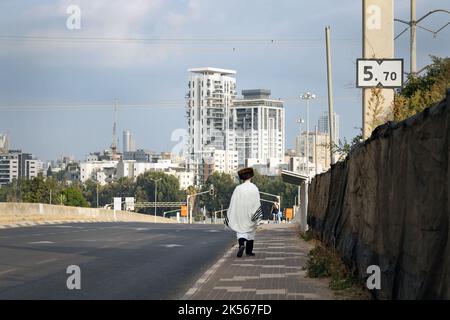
x=58 y=96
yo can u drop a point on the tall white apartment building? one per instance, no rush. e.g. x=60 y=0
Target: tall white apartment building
x=259 y=125
x=209 y=100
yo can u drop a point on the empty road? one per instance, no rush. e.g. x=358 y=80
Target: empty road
x=116 y=260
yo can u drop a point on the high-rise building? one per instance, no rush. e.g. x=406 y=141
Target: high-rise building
x=209 y=99
x=129 y=145
x=258 y=122
x=323 y=125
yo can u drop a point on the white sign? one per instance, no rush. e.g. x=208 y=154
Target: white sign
x=117 y=203
x=381 y=73
x=129 y=203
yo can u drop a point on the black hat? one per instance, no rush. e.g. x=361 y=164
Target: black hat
x=246 y=173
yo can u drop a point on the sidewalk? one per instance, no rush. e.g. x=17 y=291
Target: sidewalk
x=275 y=273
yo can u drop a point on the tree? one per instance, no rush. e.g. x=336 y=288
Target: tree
x=422 y=91
x=224 y=185
x=168 y=189
x=74 y=197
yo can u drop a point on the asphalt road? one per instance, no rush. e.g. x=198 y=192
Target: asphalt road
x=116 y=260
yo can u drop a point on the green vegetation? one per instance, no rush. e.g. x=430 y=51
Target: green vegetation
x=325 y=263
x=422 y=91
x=307 y=236
x=42 y=190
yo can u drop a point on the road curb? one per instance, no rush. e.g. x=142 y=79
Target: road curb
x=204 y=278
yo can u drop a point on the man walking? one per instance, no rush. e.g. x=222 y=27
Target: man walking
x=244 y=212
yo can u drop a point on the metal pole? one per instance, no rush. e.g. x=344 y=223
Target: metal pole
x=307 y=138
x=50 y=196
x=315 y=149
x=156 y=194
x=97 y=195
x=330 y=94
x=187 y=208
x=413 y=48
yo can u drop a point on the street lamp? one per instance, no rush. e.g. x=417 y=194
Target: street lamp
x=307 y=96
x=156 y=191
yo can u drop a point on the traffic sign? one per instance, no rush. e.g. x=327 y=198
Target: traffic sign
x=379 y=73
x=184 y=211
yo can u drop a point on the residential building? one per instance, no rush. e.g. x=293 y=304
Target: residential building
x=15 y=164
x=139 y=155
x=9 y=169
x=103 y=172
x=209 y=99
x=132 y=169
x=259 y=126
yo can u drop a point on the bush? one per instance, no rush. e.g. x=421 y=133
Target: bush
x=324 y=263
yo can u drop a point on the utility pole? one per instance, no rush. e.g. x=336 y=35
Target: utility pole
x=330 y=94
x=307 y=96
x=315 y=149
x=97 y=193
x=413 y=23
x=156 y=192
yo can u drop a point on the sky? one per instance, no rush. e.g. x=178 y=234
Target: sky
x=57 y=94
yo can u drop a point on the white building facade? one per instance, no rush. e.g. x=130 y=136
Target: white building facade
x=259 y=125
x=211 y=94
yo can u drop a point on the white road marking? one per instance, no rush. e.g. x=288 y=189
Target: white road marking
x=41 y=242
x=7 y=271
x=173 y=245
x=46 y=261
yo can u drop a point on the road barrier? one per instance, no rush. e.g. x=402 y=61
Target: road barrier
x=11 y=213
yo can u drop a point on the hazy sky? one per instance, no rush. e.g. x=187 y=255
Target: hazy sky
x=56 y=95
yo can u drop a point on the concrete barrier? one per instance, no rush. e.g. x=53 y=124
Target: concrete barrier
x=11 y=213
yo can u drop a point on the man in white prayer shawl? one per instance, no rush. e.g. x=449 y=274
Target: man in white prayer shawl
x=244 y=212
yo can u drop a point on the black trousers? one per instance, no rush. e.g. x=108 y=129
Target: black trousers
x=248 y=247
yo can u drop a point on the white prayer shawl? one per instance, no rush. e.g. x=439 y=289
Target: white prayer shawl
x=244 y=211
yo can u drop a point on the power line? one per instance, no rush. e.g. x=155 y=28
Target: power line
x=176 y=40
x=156 y=104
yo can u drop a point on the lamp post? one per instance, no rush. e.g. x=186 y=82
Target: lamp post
x=156 y=191
x=307 y=96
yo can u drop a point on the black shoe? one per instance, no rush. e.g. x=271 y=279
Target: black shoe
x=240 y=251
x=249 y=248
